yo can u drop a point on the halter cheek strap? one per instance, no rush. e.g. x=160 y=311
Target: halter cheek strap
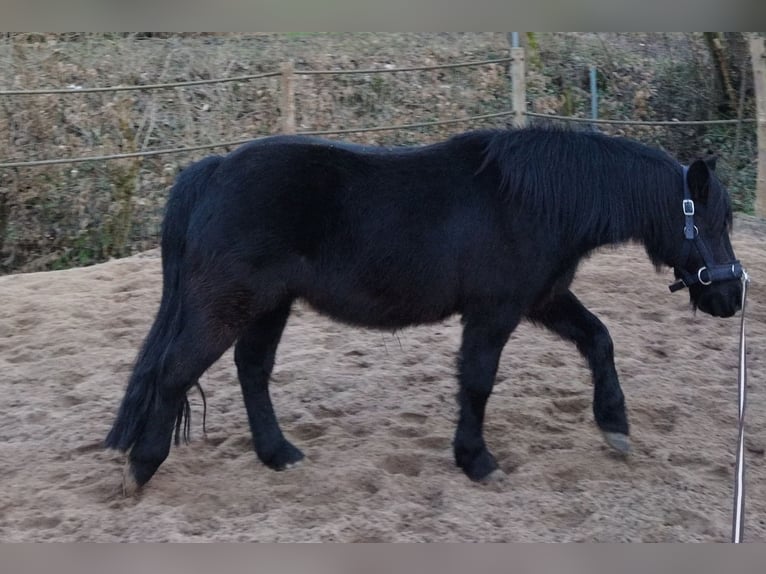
x=710 y=272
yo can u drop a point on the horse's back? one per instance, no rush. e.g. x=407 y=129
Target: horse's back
x=307 y=191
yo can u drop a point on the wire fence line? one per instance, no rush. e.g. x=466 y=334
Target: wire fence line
x=185 y=149
x=406 y=126
x=231 y=143
x=78 y=90
x=639 y=122
x=147 y=153
x=406 y=69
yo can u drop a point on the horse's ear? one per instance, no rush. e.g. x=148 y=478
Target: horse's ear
x=711 y=161
x=698 y=179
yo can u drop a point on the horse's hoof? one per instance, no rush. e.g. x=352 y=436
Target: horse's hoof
x=129 y=482
x=618 y=441
x=285 y=457
x=494 y=477
x=296 y=464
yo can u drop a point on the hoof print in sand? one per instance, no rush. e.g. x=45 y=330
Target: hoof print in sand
x=308 y=431
x=408 y=464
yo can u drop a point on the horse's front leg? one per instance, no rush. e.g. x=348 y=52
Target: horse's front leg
x=566 y=316
x=484 y=336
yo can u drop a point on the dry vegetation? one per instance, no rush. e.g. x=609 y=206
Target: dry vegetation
x=60 y=216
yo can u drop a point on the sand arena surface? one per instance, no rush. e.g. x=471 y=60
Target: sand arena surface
x=375 y=414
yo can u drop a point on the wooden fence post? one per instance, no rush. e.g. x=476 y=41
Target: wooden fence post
x=758 y=57
x=288 y=98
x=519 y=87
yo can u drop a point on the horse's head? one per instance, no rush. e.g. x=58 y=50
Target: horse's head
x=706 y=263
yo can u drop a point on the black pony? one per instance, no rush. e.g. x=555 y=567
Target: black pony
x=488 y=224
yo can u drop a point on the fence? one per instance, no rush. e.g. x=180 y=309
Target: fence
x=287 y=75
x=288 y=72
x=516 y=110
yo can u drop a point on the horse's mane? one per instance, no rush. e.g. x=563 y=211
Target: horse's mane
x=587 y=185
x=583 y=182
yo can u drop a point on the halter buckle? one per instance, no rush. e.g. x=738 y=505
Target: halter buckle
x=699 y=276
x=688 y=205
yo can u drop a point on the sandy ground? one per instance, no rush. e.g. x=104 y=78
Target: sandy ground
x=374 y=413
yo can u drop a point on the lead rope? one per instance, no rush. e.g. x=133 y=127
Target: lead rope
x=738 y=523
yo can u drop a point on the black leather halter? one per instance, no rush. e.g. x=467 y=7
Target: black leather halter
x=710 y=272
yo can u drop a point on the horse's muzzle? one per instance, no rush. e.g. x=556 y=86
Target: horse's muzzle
x=720 y=300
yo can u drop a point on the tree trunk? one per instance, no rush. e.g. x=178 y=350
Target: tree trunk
x=758 y=55
x=714 y=41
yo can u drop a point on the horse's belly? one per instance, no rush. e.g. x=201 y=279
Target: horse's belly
x=380 y=310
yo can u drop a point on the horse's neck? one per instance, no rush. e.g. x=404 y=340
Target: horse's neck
x=630 y=220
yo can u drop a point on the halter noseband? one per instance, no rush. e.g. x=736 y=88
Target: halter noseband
x=708 y=273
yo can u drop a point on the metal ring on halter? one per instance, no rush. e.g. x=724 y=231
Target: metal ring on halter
x=699 y=276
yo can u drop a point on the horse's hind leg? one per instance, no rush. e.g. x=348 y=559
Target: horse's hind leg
x=566 y=316
x=254 y=355
x=484 y=337
x=199 y=344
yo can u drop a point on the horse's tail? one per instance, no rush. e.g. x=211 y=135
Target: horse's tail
x=143 y=386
